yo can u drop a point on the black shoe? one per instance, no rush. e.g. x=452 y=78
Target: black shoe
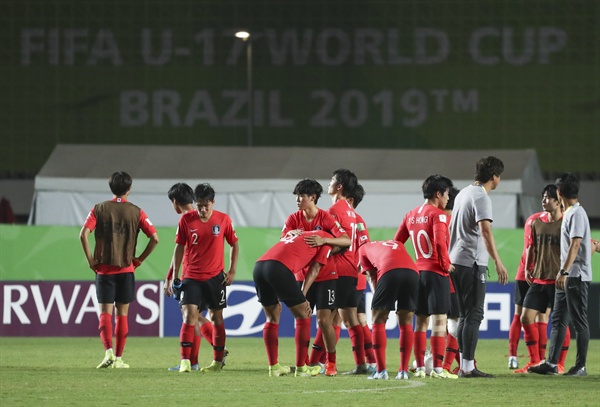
x=360 y=369
x=543 y=368
x=474 y=374
x=576 y=371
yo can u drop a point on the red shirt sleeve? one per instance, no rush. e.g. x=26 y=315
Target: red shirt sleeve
x=440 y=237
x=145 y=224
x=90 y=221
x=402 y=232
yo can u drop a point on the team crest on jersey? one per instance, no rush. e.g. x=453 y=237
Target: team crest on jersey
x=318 y=227
x=443 y=218
x=216 y=230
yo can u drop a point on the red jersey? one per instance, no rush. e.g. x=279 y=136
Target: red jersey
x=344 y=264
x=526 y=234
x=144 y=225
x=293 y=252
x=385 y=256
x=362 y=237
x=427 y=227
x=205 y=243
x=322 y=221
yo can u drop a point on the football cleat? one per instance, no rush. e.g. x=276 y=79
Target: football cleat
x=214 y=367
x=383 y=375
x=444 y=374
x=277 y=370
x=402 y=375
x=185 y=366
x=307 y=371
x=109 y=359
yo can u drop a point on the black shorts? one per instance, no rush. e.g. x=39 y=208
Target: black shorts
x=434 y=294
x=362 y=309
x=454 y=311
x=346 y=292
x=540 y=297
x=397 y=285
x=321 y=294
x=210 y=293
x=520 y=292
x=115 y=288
x=273 y=282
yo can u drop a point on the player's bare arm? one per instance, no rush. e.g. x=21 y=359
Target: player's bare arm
x=85 y=244
x=316 y=241
x=485 y=227
x=233 y=259
x=571 y=256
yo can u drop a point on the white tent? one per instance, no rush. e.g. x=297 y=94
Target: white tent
x=254 y=184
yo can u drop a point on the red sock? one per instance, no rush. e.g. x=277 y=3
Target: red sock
x=106 y=330
x=451 y=352
x=420 y=346
x=318 y=348
x=206 y=329
x=438 y=345
x=542 y=328
x=379 y=345
x=121 y=330
x=531 y=341
x=565 y=348
x=514 y=334
x=331 y=357
x=218 y=342
x=407 y=339
x=271 y=339
x=357 y=339
x=186 y=340
x=302 y=337
x=369 y=354
x=195 y=350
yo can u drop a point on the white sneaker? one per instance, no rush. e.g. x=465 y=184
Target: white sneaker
x=403 y=375
x=513 y=362
x=383 y=375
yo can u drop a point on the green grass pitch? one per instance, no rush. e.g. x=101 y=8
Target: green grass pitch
x=61 y=371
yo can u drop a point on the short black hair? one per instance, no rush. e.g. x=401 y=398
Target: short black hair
x=347 y=179
x=204 y=191
x=436 y=183
x=357 y=195
x=568 y=185
x=182 y=193
x=487 y=167
x=452 y=195
x=550 y=189
x=308 y=186
x=119 y=183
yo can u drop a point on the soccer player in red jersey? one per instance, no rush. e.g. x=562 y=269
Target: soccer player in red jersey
x=362 y=237
x=320 y=289
x=396 y=280
x=427 y=226
x=274 y=280
x=116 y=224
x=521 y=287
x=343 y=182
x=204 y=232
x=181 y=196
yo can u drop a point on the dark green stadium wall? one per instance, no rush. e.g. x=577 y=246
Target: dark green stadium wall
x=366 y=74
